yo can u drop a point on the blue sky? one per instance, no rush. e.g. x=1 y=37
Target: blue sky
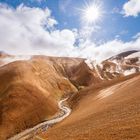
x=120 y=20
x=65 y=12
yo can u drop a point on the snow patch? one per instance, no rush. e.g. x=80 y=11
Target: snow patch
x=89 y=63
x=131 y=71
x=98 y=73
x=93 y=64
x=134 y=55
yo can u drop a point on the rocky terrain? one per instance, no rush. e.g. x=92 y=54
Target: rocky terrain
x=103 y=96
x=120 y=65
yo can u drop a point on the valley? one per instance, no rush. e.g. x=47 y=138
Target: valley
x=102 y=98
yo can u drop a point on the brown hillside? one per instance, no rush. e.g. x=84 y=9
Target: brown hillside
x=82 y=75
x=111 y=113
x=29 y=92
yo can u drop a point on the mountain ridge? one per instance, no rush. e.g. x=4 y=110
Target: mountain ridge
x=36 y=83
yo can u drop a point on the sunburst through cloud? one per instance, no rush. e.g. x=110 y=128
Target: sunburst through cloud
x=92 y=12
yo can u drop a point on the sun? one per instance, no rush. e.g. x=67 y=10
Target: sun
x=91 y=13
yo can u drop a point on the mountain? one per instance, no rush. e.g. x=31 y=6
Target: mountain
x=30 y=90
x=121 y=65
x=109 y=111
x=124 y=54
x=3 y=54
x=32 y=86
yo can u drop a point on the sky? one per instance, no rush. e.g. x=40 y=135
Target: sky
x=67 y=28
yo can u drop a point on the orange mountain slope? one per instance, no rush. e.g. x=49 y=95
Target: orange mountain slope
x=111 y=113
x=29 y=92
x=103 y=96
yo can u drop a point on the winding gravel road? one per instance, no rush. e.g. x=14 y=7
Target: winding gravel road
x=29 y=133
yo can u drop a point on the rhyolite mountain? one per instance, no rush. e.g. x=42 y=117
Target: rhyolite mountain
x=31 y=86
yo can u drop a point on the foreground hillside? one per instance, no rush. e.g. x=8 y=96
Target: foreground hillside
x=99 y=113
x=30 y=91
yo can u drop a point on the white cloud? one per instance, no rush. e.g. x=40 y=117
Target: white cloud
x=87 y=31
x=26 y=30
x=136 y=36
x=131 y=8
x=108 y=49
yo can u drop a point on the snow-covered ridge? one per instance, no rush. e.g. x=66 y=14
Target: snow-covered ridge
x=119 y=65
x=134 y=55
x=131 y=71
x=92 y=64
